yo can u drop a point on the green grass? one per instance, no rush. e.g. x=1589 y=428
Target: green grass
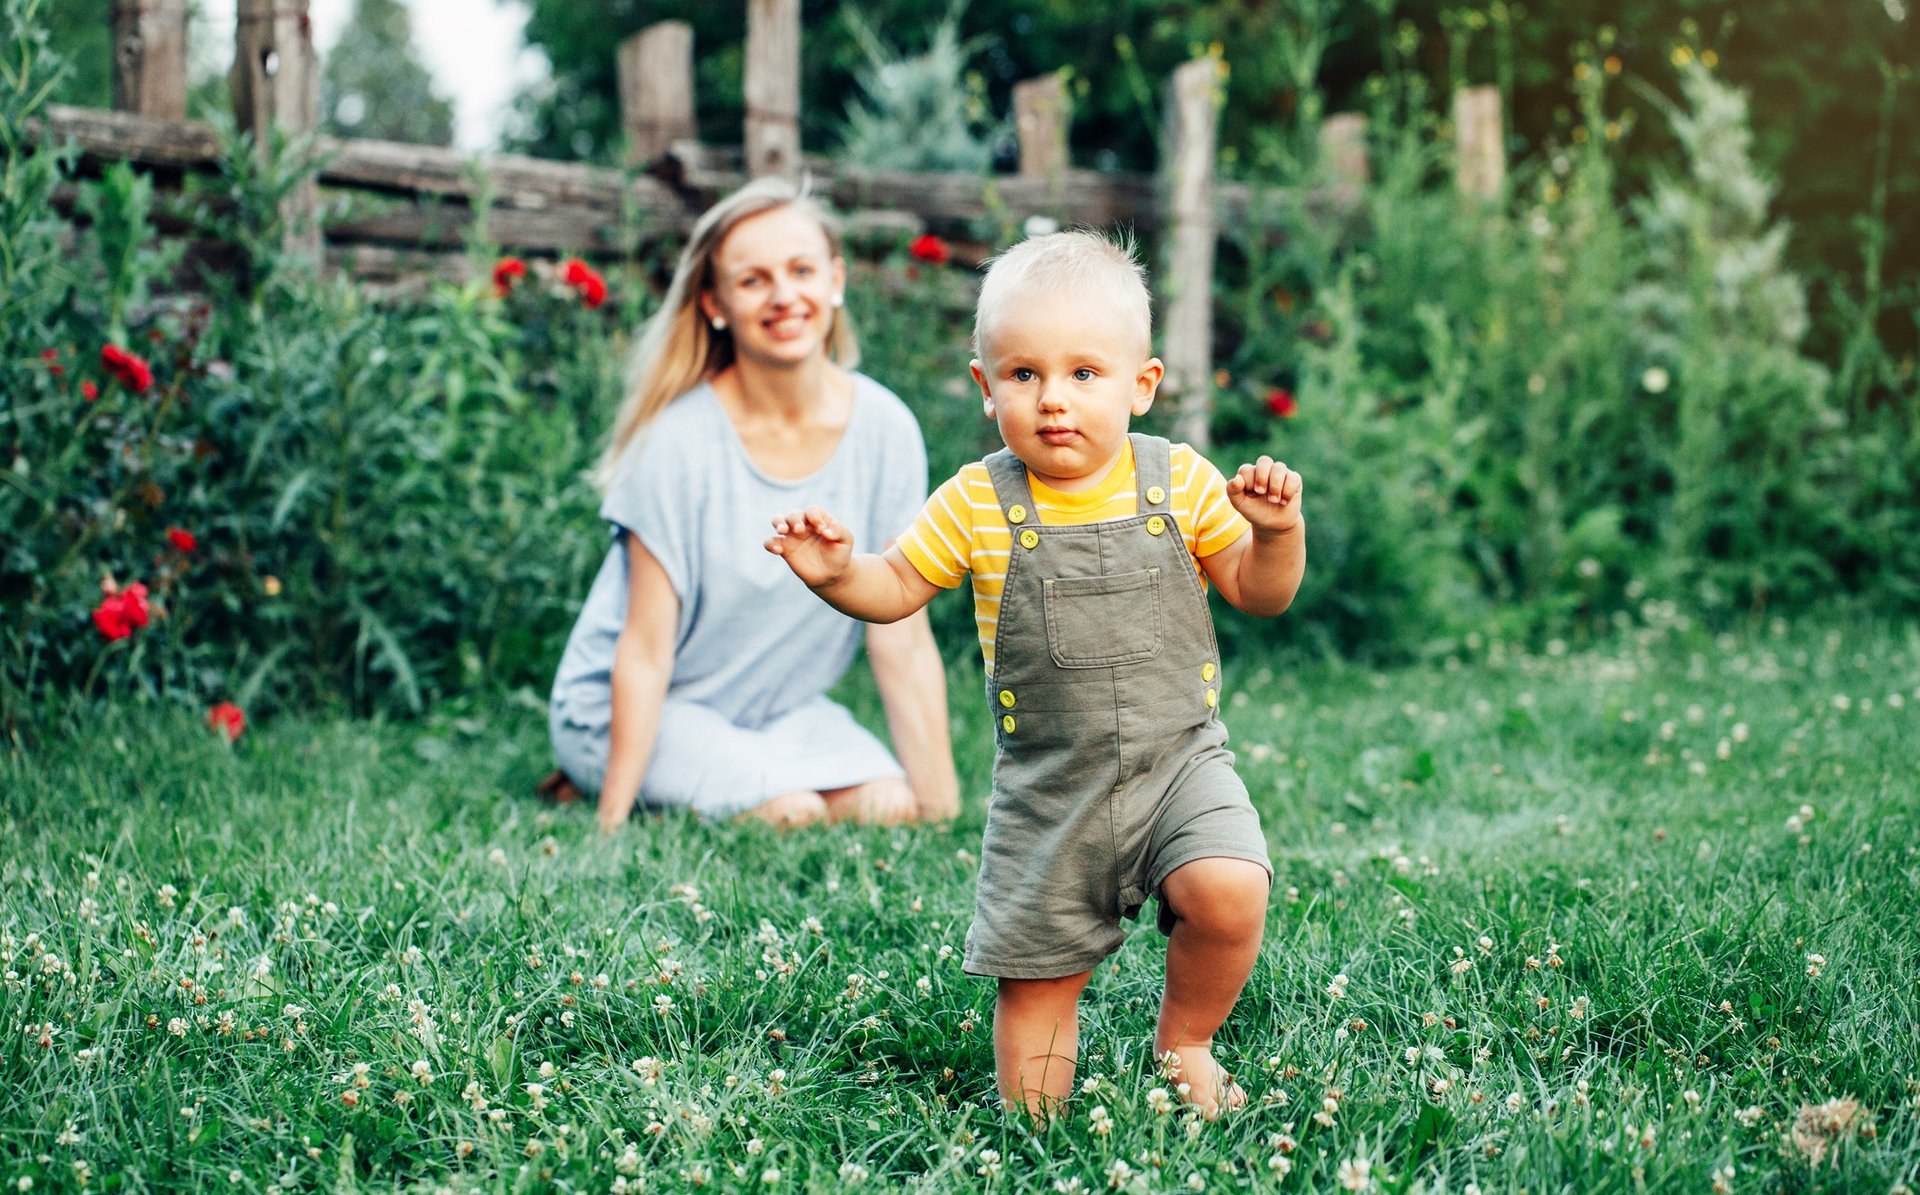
x=349 y=894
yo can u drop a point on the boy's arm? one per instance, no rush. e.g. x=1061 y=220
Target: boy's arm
x=872 y=588
x=1260 y=572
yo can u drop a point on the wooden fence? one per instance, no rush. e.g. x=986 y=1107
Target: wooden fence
x=430 y=197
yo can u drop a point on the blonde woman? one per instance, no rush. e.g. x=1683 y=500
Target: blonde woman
x=696 y=675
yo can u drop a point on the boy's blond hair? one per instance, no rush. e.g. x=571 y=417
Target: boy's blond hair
x=1075 y=260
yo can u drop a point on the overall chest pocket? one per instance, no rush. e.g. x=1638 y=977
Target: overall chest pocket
x=1098 y=622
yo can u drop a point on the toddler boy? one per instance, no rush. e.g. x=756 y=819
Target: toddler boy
x=1087 y=547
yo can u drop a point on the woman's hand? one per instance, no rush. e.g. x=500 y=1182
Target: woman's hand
x=814 y=544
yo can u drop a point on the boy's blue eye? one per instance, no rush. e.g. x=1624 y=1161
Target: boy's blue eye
x=1023 y=374
x=1083 y=374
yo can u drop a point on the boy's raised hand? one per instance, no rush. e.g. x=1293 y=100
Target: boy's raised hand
x=1267 y=494
x=814 y=545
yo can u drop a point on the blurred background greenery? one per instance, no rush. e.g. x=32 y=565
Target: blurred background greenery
x=1670 y=368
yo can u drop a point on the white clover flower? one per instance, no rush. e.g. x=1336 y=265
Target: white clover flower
x=1655 y=380
x=1356 y=1174
x=422 y=1072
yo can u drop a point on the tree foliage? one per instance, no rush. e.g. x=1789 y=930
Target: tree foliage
x=374 y=84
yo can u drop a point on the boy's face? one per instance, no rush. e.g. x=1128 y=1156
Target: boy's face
x=1063 y=372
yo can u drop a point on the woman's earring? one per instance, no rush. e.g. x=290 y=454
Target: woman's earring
x=839 y=299
x=719 y=324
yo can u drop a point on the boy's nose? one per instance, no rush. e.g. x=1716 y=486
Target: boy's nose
x=1052 y=398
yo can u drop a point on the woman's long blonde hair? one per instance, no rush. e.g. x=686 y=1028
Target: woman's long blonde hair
x=677 y=348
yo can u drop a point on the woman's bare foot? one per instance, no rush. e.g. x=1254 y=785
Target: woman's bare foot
x=557 y=789
x=1201 y=1081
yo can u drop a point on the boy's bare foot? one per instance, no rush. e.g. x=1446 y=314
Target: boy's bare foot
x=1201 y=1081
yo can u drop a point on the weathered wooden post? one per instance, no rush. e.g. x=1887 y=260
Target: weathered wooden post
x=276 y=84
x=656 y=89
x=150 y=57
x=1193 y=117
x=1480 y=156
x=772 y=87
x=1343 y=147
x=1041 y=112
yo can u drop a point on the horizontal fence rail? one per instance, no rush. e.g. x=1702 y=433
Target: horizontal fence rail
x=398 y=215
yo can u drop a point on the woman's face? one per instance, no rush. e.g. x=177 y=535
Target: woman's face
x=775 y=282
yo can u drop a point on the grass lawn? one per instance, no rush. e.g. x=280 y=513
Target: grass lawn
x=1607 y=921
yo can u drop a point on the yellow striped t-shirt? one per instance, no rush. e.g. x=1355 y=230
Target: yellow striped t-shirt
x=962 y=528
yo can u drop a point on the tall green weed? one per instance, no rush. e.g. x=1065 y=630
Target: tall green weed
x=1581 y=402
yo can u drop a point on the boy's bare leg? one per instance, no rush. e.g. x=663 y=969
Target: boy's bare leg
x=1036 y=1039
x=1220 y=911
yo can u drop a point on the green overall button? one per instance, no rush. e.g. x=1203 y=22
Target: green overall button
x=1156 y=525
x=1006 y=698
x=1206 y=671
x=1017 y=513
x=1213 y=698
x=1030 y=539
x=1006 y=723
x=1156 y=495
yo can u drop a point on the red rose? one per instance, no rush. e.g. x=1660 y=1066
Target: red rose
x=133 y=603
x=228 y=719
x=1280 y=402
x=506 y=272
x=89 y=391
x=134 y=373
x=119 y=613
x=111 y=621
x=583 y=278
x=182 y=540
x=930 y=249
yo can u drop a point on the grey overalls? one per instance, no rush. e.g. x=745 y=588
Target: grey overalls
x=1112 y=769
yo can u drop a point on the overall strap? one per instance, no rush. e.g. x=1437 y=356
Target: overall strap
x=1009 y=474
x=1153 y=473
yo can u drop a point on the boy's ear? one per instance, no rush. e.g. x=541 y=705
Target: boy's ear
x=980 y=380
x=1146 y=384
